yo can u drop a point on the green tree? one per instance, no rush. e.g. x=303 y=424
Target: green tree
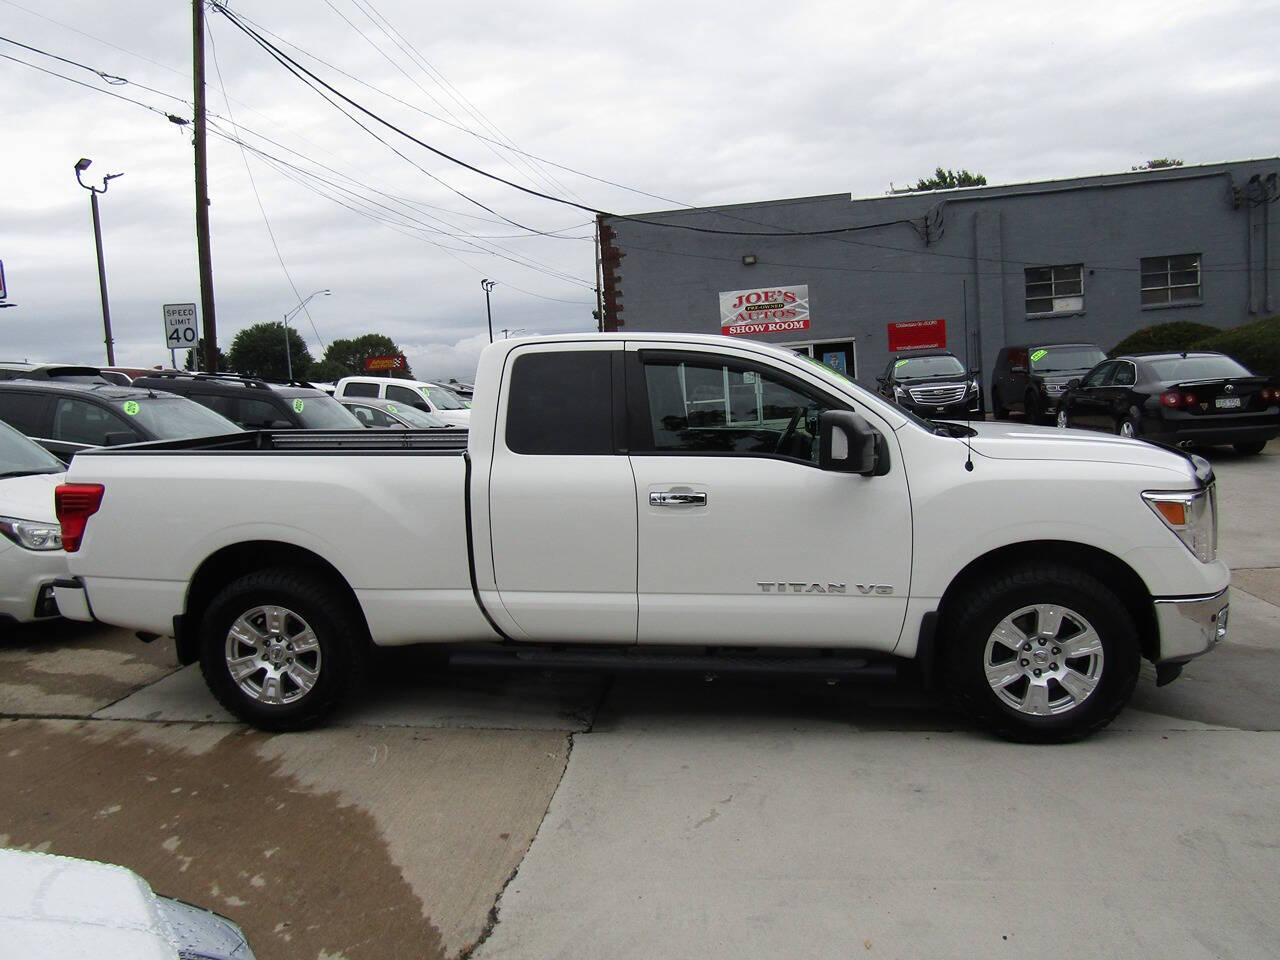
x=258 y=351
x=950 y=179
x=1160 y=163
x=326 y=371
x=351 y=354
x=190 y=362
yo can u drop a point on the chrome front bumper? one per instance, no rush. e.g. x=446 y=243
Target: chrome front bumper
x=1190 y=626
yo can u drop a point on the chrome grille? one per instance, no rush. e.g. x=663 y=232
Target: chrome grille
x=939 y=395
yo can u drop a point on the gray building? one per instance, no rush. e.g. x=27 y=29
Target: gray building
x=852 y=281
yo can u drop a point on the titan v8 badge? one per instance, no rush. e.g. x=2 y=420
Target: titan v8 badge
x=866 y=589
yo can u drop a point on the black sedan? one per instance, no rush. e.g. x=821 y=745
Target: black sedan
x=1177 y=399
x=932 y=383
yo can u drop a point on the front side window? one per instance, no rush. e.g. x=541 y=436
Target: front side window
x=77 y=421
x=711 y=407
x=1097 y=375
x=1170 y=279
x=1058 y=289
x=403 y=395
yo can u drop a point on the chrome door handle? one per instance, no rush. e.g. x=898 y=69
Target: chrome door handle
x=669 y=498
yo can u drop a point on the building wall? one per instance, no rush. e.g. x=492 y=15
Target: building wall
x=957 y=255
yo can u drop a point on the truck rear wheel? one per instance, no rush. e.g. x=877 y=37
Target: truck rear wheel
x=1045 y=654
x=280 y=649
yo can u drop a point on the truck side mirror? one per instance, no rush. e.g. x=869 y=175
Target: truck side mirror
x=846 y=443
x=117 y=438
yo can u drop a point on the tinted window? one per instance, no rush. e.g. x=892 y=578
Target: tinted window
x=1197 y=368
x=561 y=403
x=257 y=414
x=699 y=407
x=174 y=418
x=1125 y=375
x=22 y=411
x=404 y=395
x=1095 y=376
x=369 y=416
x=360 y=390
x=78 y=421
x=322 y=412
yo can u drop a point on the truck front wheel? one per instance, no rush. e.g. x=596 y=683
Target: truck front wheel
x=280 y=649
x=1043 y=654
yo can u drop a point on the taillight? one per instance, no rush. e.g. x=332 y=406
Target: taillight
x=1174 y=399
x=75 y=503
x=1270 y=393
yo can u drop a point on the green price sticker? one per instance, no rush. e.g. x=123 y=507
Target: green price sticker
x=131 y=407
x=298 y=405
x=899 y=363
x=391 y=408
x=425 y=392
x=1038 y=356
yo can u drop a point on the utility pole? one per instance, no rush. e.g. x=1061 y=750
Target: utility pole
x=81 y=166
x=488 y=285
x=202 y=191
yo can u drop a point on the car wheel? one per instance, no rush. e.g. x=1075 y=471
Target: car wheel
x=1043 y=654
x=1129 y=427
x=1032 y=407
x=1062 y=419
x=998 y=410
x=1249 y=449
x=280 y=649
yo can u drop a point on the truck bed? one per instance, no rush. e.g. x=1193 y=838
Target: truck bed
x=311 y=441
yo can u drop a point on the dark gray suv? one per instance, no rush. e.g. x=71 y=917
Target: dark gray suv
x=1034 y=376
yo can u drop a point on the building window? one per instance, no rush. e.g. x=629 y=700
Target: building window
x=1170 y=279
x=1055 y=289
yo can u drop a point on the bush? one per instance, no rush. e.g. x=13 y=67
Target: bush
x=1178 y=335
x=1256 y=345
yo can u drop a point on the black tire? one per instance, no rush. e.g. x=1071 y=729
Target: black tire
x=270 y=698
x=1249 y=449
x=1031 y=404
x=971 y=648
x=999 y=411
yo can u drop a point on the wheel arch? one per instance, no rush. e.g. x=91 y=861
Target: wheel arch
x=1107 y=567
x=235 y=560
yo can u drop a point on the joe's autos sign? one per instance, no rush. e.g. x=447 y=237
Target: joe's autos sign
x=747 y=313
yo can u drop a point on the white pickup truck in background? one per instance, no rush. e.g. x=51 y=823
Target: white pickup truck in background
x=662 y=502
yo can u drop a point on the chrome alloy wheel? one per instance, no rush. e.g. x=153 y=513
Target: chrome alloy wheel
x=1127 y=429
x=272 y=655
x=1062 y=419
x=1043 y=660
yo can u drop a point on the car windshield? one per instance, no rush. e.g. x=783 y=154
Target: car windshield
x=174 y=418
x=1049 y=359
x=939 y=366
x=1177 y=369
x=414 y=417
x=20 y=456
x=324 y=413
x=443 y=397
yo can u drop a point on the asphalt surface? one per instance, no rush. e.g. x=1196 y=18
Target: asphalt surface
x=502 y=814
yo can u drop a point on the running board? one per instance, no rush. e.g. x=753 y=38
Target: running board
x=633 y=660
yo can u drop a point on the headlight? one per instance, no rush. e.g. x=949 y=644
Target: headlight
x=31 y=534
x=1192 y=515
x=973 y=385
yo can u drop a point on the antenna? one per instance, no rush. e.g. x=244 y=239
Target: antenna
x=968 y=437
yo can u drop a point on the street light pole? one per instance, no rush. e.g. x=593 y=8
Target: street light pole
x=488 y=285
x=288 y=359
x=81 y=166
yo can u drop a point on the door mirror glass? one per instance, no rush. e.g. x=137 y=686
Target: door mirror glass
x=117 y=438
x=846 y=443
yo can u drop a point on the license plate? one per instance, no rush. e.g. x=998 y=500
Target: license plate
x=1226 y=403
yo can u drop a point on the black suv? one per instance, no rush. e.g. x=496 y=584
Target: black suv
x=1035 y=376
x=257 y=404
x=932 y=383
x=66 y=417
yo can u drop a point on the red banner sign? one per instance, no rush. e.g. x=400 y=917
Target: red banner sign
x=384 y=363
x=917 y=335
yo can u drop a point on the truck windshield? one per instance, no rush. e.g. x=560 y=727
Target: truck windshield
x=176 y=418
x=443 y=397
x=1049 y=359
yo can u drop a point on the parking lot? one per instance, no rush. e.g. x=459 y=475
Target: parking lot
x=503 y=814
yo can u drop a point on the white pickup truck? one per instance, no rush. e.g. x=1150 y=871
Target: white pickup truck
x=661 y=502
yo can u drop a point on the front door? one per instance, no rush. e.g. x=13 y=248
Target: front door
x=743 y=540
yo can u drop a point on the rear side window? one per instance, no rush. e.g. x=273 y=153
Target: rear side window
x=561 y=404
x=23 y=412
x=360 y=390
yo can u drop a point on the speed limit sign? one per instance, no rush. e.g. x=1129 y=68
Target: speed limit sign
x=180 y=329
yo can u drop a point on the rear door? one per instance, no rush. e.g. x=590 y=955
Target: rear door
x=562 y=499
x=743 y=540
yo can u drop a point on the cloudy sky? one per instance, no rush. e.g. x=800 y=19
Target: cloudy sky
x=673 y=103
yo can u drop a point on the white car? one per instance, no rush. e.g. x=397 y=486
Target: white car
x=61 y=907
x=431 y=397
x=31 y=555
